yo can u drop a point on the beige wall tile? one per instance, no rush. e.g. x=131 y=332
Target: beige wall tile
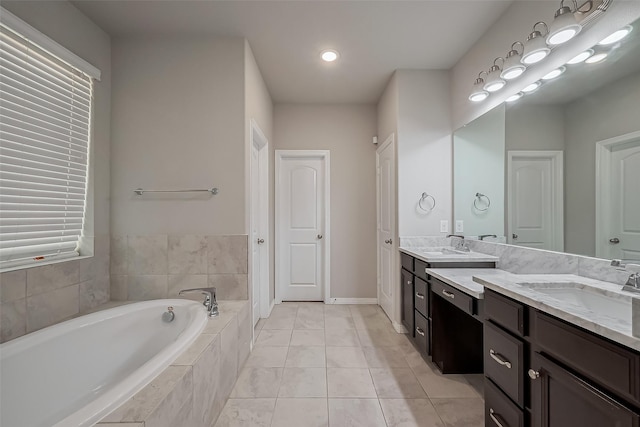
x=119 y=286
x=53 y=276
x=227 y=254
x=176 y=283
x=52 y=307
x=206 y=384
x=230 y=286
x=118 y=252
x=140 y=288
x=13 y=285
x=13 y=319
x=187 y=254
x=94 y=292
x=147 y=255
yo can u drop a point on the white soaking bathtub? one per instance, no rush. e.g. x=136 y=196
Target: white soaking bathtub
x=74 y=373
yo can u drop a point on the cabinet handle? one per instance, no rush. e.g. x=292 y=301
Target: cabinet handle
x=409 y=282
x=419 y=295
x=534 y=375
x=419 y=331
x=499 y=358
x=494 y=417
x=448 y=294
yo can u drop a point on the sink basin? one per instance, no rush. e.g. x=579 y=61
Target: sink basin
x=617 y=306
x=442 y=251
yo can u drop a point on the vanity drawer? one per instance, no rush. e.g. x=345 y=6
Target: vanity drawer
x=499 y=411
x=406 y=261
x=421 y=297
x=420 y=269
x=461 y=300
x=504 y=361
x=504 y=311
x=610 y=365
x=422 y=333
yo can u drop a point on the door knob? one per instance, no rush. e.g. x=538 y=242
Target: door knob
x=514 y=235
x=388 y=241
x=260 y=241
x=319 y=236
x=615 y=240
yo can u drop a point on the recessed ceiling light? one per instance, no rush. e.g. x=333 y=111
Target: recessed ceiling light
x=531 y=87
x=553 y=74
x=596 y=58
x=515 y=97
x=580 y=57
x=329 y=55
x=617 y=36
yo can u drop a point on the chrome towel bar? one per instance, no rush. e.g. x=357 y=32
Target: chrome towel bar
x=213 y=191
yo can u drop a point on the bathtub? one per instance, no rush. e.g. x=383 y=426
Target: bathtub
x=74 y=373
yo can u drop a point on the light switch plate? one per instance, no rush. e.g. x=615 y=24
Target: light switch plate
x=459 y=226
x=444 y=226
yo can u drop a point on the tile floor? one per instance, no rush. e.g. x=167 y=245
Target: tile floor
x=319 y=365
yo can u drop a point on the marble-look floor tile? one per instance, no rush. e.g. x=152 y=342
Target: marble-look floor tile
x=301 y=412
x=345 y=357
x=285 y=322
x=303 y=382
x=342 y=338
x=306 y=357
x=274 y=338
x=268 y=357
x=284 y=310
x=334 y=311
x=437 y=385
x=247 y=412
x=355 y=413
x=410 y=413
x=258 y=382
x=339 y=323
x=477 y=382
x=385 y=357
x=309 y=320
x=307 y=337
x=350 y=382
x=460 y=412
x=260 y=324
x=396 y=383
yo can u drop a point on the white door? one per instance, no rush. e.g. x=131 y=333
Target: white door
x=535 y=200
x=301 y=197
x=385 y=171
x=257 y=240
x=624 y=234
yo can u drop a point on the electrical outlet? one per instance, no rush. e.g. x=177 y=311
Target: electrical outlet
x=444 y=226
x=459 y=226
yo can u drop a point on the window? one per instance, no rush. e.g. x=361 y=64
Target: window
x=45 y=128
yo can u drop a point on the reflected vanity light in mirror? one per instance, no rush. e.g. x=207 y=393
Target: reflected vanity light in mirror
x=532 y=87
x=599 y=57
x=581 y=57
x=555 y=73
x=617 y=36
x=515 y=97
x=564 y=26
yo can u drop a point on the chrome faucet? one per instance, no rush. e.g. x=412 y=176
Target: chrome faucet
x=633 y=283
x=483 y=236
x=209 y=299
x=460 y=243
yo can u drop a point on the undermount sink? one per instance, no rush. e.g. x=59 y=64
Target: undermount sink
x=442 y=251
x=617 y=306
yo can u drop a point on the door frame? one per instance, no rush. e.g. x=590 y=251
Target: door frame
x=604 y=152
x=557 y=211
x=396 y=299
x=260 y=141
x=325 y=155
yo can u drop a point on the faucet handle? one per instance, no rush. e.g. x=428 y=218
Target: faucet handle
x=210 y=293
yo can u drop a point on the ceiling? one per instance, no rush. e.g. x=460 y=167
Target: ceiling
x=374 y=38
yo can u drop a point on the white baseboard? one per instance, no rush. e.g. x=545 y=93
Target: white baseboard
x=399 y=327
x=273 y=304
x=352 y=301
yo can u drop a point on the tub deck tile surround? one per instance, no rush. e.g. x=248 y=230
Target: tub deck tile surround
x=193 y=390
x=158 y=266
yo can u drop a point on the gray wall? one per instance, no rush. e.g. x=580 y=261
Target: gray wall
x=37 y=297
x=345 y=130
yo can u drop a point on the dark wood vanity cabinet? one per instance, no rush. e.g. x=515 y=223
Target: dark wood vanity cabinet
x=541 y=371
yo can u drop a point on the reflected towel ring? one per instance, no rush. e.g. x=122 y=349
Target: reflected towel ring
x=424 y=197
x=479 y=196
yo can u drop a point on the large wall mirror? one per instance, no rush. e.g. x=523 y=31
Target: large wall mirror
x=559 y=168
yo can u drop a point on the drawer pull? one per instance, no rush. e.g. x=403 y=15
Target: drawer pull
x=494 y=418
x=419 y=295
x=419 y=331
x=534 y=375
x=448 y=294
x=409 y=282
x=499 y=358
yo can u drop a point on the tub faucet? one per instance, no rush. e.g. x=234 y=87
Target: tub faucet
x=209 y=299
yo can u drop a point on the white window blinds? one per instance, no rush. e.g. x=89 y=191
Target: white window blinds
x=45 y=116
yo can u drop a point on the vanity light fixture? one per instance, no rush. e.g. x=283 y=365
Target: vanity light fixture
x=479 y=94
x=598 y=57
x=329 y=55
x=515 y=97
x=512 y=67
x=564 y=26
x=532 y=87
x=494 y=82
x=555 y=73
x=535 y=48
x=581 y=57
x=617 y=36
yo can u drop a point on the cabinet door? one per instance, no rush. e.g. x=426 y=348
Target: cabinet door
x=407 y=285
x=561 y=399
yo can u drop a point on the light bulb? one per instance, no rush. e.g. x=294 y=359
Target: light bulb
x=478 y=96
x=329 y=55
x=531 y=87
x=580 y=57
x=515 y=97
x=553 y=74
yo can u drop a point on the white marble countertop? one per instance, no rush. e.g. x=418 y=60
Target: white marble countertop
x=430 y=255
x=462 y=278
x=508 y=284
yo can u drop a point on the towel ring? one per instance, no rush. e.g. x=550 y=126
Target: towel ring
x=424 y=197
x=479 y=196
